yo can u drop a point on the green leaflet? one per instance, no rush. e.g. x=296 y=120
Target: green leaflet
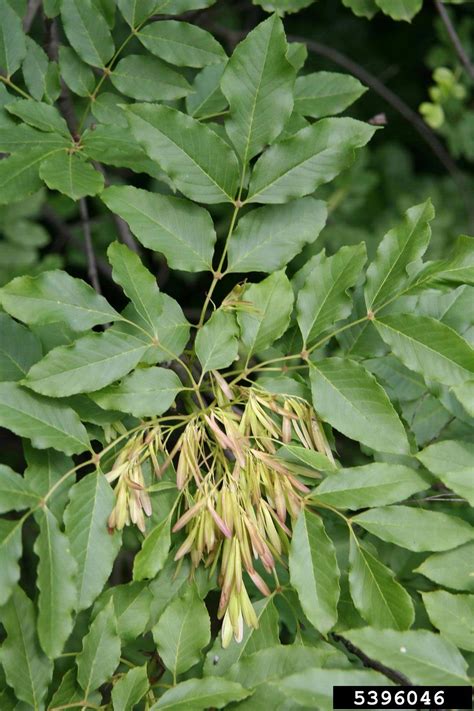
x=71 y=175
x=428 y=347
x=453 y=615
x=373 y=484
x=87 y=32
x=90 y=503
x=313 y=156
x=326 y=93
x=452 y=569
x=182 y=631
x=217 y=341
x=27 y=669
x=378 y=597
x=272 y=300
x=56 y=585
x=416 y=529
x=144 y=393
x=347 y=396
x=207 y=98
x=196 y=694
x=453 y=463
x=10 y=552
x=45 y=468
x=401 y=248
x=314 y=572
x=19 y=172
x=78 y=76
x=283 y=6
x=39 y=115
x=135 y=13
x=153 y=553
x=258 y=84
x=132 y=608
x=267 y=238
x=200 y=163
x=137 y=282
x=162 y=223
x=181 y=44
x=315 y=686
x=12 y=40
x=323 y=299
x=56 y=296
x=266 y=635
x=100 y=653
x=424 y=657
x=90 y=363
x=148 y=79
x=35 y=67
x=15 y=493
x=400 y=9
x=130 y=689
x=362 y=8
x=46 y=423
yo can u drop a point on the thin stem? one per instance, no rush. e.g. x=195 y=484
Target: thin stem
x=391 y=674
x=8 y=82
x=218 y=273
x=454 y=37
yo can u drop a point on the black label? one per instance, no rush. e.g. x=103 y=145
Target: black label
x=402 y=697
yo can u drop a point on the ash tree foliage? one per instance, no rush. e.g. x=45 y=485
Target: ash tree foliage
x=216 y=508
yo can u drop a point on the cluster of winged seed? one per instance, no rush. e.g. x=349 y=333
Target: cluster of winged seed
x=238 y=498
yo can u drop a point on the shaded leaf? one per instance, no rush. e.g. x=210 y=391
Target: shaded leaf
x=197 y=694
x=71 y=175
x=347 y=396
x=428 y=347
x=87 y=31
x=378 y=597
x=182 y=631
x=453 y=615
x=314 y=572
x=313 y=156
x=200 y=163
x=46 y=423
x=400 y=9
x=100 y=653
x=132 y=608
x=143 y=393
x=453 y=463
x=424 y=657
x=78 y=76
x=267 y=238
x=12 y=40
x=40 y=115
x=147 y=78
x=10 y=552
x=34 y=68
x=258 y=84
x=326 y=93
x=272 y=301
x=90 y=363
x=27 y=669
x=416 y=529
x=181 y=44
x=370 y=485
x=56 y=585
x=323 y=299
x=453 y=569
x=130 y=689
x=56 y=296
x=207 y=98
x=401 y=248
x=216 y=342
x=15 y=493
x=45 y=468
x=162 y=223
x=153 y=554
x=90 y=503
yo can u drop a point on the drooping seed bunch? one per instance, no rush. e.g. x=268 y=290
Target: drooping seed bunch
x=238 y=497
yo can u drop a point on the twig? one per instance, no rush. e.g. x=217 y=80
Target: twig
x=454 y=37
x=90 y=254
x=30 y=14
x=392 y=674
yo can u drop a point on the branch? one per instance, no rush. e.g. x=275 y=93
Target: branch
x=454 y=37
x=30 y=14
x=391 y=674
x=90 y=254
